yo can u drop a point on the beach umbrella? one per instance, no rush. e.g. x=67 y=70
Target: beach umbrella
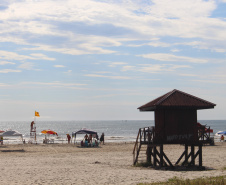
x=1 y=131
x=11 y=133
x=84 y=131
x=222 y=133
x=49 y=132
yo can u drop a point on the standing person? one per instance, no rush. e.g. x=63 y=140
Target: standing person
x=68 y=138
x=222 y=138
x=90 y=138
x=102 y=138
x=32 y=124
x=1 y=140
x=86 y=137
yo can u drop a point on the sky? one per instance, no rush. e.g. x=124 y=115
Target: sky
x=102 y=59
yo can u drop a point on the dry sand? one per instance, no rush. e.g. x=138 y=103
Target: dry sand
x=109 y=164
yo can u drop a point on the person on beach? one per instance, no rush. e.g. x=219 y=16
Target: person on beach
x=68 y=138
x=102 y=138
x=222 y=138
x=86 y=137
x=32 y=124
x=90 y=138
x=1 y=140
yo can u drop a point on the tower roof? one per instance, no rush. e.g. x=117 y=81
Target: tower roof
x=177 y=99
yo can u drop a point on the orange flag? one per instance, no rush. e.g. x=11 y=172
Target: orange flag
x=37 y=114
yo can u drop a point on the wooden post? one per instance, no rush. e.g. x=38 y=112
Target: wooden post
x=192 y=155
x=148 y=154
x=161 y=155
x=186 y=153
x=144 y=131
x=200 y=155
x=140 y=134
x=151 y=154
x=154 y=156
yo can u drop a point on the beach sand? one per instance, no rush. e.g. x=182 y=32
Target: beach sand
x=109 y=164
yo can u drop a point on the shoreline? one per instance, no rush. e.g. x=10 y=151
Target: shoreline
x=108 y=164
x=62 y=140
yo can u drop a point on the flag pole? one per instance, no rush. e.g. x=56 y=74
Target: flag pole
x=35 y=127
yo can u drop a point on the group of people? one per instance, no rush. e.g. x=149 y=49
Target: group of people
x=89 y=140
x=92 y=140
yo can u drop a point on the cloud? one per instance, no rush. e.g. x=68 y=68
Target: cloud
x=211 y=81
x=103 y=72
x=41 y=56
x=9 y=71
x=59 y=66
x=154 y=68
x=26 y=65
x=128 y=68
x=172 y=58
x=4 y=85
x=175 y=50
x=82 y=49
x=13 y=56
x=114 y=64
x=153 y=43
x=218 y=46
x=6 y=62
x=68 y=72
x=110 y=77
x=55 y=84
x=177 y=9
x=188 y=75
x=70 y=20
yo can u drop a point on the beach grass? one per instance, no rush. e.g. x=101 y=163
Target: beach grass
x=219 y=180
x=144 y=164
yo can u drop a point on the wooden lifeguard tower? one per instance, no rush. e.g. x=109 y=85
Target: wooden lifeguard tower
x=175 y=123
x=33 y=129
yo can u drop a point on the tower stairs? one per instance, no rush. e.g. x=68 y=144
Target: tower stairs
x=144 y=139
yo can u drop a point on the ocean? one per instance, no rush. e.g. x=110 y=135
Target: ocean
x=115 y=131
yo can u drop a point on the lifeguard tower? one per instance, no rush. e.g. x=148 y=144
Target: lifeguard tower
x=33 y=132
x=33 y=129
x=175 y=123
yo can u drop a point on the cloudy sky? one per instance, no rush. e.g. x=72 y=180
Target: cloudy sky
x=101 y=59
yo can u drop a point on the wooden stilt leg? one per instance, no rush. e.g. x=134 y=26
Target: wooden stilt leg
x=192 y=155
x=148 y=154
x=151 y=154
x=167 y=159
x=161 y=155
x=154 y=157
x=186 y=154
x=200 y=155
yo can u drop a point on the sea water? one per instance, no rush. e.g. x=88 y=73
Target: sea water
x=114 y=130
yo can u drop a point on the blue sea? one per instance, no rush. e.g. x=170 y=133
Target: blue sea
x=115 y=131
